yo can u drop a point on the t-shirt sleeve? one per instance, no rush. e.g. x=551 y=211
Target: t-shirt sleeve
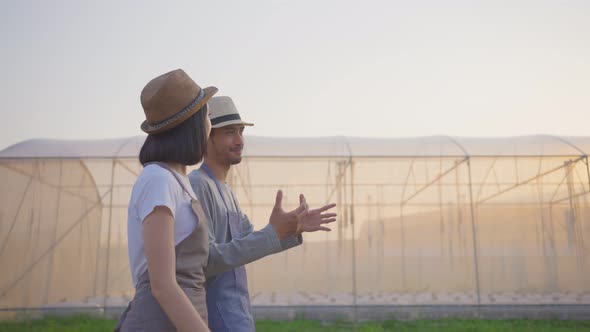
x=156 y=190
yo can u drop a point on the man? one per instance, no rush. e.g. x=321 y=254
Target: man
x=233 y=242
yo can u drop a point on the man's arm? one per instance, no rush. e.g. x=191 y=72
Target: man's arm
x=286 y=243
x=226 y=256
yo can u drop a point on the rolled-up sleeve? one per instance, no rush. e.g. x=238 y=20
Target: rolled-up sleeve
x=237 y=252
x=226 y=256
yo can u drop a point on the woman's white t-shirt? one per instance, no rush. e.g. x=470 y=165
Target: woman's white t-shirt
x=156 y=186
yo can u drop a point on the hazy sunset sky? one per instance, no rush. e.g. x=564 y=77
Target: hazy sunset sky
x=74 y=69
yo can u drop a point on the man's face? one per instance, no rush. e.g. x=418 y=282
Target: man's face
x=225 y=144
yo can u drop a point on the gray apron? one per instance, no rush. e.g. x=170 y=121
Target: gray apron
x=228 y=300
x=144 y=312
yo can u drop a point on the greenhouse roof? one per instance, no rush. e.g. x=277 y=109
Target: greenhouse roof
x=257 y=146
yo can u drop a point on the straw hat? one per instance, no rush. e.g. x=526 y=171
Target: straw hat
x=170 y=99
x=223 y=112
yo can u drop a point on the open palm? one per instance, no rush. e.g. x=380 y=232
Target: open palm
x=285 y=223
x=314 y=220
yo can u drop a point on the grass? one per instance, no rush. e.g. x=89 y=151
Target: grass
x=85 y=323
x=450 y=325
x=61 y=324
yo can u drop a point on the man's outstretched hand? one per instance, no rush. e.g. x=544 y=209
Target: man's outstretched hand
x=301 y=219
x=314 y=220
x=285 y=223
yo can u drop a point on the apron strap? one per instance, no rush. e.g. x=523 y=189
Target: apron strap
x=227 y=210
x=166 y=167
x=195 y=203
x=212 y=177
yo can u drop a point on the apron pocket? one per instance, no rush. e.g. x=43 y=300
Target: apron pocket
x=235 y=313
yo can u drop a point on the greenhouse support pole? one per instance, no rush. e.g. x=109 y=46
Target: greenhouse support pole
x=354 y=291
x=106 y=278
x=52 y=256
x=473 y=233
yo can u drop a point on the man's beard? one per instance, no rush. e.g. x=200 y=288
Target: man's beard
x=235 y=160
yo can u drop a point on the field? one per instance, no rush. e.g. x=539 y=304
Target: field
x=90 y=324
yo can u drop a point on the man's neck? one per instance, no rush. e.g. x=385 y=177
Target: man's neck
x=219 y=170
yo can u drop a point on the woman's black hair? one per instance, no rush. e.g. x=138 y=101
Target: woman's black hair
x=185 y=144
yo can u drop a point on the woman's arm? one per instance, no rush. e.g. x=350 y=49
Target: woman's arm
x=158 y=235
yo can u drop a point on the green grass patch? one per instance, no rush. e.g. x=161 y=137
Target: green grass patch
x=61 y=324
x=91 y=324
x=444 y=325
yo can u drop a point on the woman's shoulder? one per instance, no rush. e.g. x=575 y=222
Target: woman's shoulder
x=155 y=172
x=154 y=176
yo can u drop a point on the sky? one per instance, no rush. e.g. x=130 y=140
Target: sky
x=75 y=69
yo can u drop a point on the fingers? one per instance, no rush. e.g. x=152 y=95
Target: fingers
x=303 y=202
x=303 y=206
x=324 y=208
x=315 y=229
x=300 y=210
x=279 y=200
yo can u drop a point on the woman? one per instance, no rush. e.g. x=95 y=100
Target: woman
x=167 y=232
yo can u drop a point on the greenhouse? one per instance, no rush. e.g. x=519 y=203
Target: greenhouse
x=422 y=221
